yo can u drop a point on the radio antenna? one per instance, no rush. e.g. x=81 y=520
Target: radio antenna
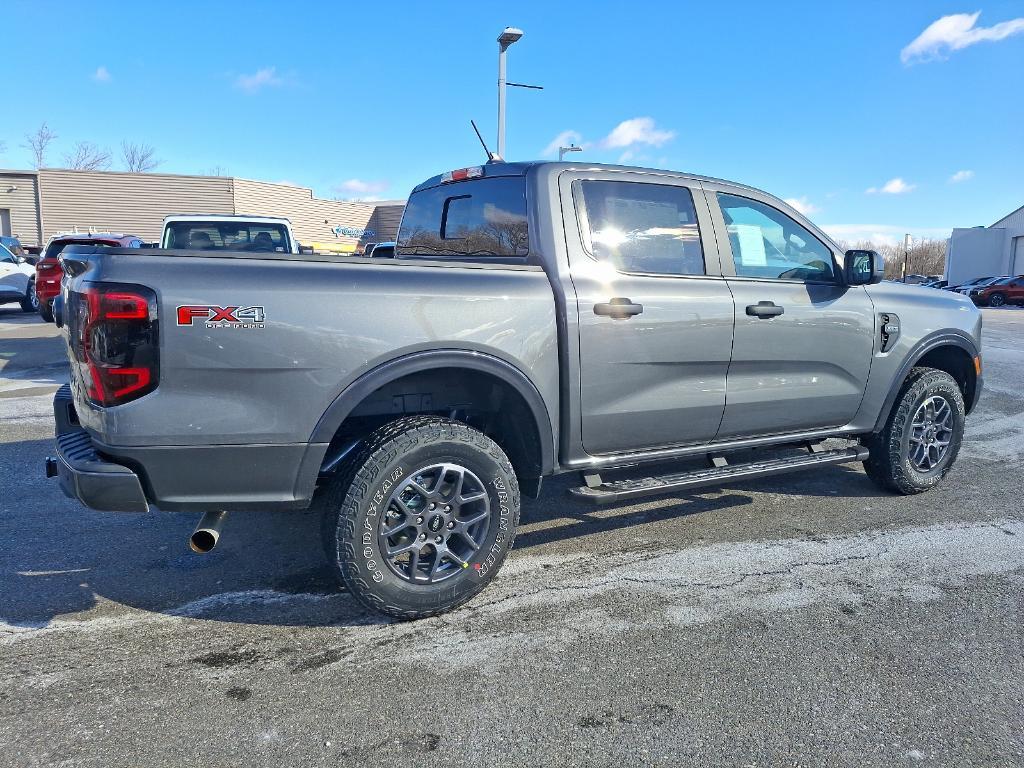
x=491 y=157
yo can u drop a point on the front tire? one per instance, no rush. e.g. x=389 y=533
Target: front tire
x=996 y=300
x=922 y=436
x=422 y=518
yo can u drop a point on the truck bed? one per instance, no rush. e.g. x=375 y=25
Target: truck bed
x=252 y=394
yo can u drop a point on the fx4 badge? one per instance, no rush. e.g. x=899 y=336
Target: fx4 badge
x=222 y=317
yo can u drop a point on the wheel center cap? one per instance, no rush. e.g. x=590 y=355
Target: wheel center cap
x=436 y=523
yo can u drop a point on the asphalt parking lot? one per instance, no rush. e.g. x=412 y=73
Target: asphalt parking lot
x=800 y=620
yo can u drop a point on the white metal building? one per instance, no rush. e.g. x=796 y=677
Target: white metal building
x=987 y=251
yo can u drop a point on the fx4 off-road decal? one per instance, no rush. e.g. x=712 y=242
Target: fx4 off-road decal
x=221 y=317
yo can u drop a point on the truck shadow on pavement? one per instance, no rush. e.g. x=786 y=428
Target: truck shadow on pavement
x=60 y=560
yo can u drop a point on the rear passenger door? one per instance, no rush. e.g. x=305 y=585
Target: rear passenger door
x=655 y=316
x=803 y=339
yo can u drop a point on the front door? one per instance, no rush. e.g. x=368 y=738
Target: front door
x=803 y=339
x=655 y=315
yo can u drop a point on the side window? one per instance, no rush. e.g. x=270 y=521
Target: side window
x=769 y=244
x=640 y=227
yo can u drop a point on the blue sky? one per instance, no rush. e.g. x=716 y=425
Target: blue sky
x=815 y=102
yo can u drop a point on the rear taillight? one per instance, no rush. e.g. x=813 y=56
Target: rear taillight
x=114 y=341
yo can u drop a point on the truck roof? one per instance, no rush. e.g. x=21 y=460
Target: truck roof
x=225 y=217
x=489 y=170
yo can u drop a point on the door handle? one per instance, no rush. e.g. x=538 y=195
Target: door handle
x=618 y=309
x=764 y=309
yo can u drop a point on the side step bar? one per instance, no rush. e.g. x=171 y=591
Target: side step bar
x=721 y=473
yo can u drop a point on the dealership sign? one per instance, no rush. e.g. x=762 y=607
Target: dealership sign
x=340 y=231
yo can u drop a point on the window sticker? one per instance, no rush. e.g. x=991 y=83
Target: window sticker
x=751 y=244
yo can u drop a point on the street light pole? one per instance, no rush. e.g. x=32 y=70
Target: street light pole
x=505 y=39
x=906 y=255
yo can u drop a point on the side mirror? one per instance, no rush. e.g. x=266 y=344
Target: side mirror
x=864 y=267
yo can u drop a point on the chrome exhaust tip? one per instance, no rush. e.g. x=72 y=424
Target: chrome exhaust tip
x=206 y=535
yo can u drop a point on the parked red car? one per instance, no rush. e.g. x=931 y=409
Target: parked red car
x=1009 y=290
x=48 y=269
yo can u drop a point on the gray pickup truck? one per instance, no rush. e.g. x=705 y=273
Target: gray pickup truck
x=538 y=318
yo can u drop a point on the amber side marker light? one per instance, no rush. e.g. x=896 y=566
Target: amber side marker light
x=977 y=365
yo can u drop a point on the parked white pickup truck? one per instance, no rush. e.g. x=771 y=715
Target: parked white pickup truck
x=213 y=232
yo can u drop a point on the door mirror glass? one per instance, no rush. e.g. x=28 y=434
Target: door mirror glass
x=864 y=267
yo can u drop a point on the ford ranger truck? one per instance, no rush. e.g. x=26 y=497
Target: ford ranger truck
x=537 y=319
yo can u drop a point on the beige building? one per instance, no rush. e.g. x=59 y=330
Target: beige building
x=35 y=205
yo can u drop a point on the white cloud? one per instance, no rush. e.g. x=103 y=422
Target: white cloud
x=363 y=189
x=954 y=32
x=895 y=186
x=802 y=205
x=564 y=139
x=959 y=176
x=101 y=75
x=883 y=234
x=638 y=130
x=261 y=78
x=628 y=136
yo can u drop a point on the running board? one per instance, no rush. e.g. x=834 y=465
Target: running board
x=621 y=490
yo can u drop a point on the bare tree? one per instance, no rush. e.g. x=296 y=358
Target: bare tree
x=38 y=142
x=925 y=257
x=217 y=170
x=138 y=158
x=87 y=157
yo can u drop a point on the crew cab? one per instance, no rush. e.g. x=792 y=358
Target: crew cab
x=538 y=318
x=48 y=271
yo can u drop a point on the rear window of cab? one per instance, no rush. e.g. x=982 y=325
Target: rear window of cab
x=475 y=219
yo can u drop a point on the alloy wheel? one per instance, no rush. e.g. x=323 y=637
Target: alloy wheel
x=435 y=520
x=931 y=432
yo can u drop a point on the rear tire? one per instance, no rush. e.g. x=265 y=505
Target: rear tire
x=46 y=311
x=421 y=519
x=31 y=302
x=922 y=435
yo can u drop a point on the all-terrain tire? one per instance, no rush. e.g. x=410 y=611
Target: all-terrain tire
x=358 y=500
x=889 y=464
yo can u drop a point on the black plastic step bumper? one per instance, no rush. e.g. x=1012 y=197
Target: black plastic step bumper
x=83 y=473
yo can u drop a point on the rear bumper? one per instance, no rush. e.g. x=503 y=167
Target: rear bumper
x=47 y=289
x=83 y=473
x=192 y=478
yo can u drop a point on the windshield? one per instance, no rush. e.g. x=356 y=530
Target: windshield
x=226 y=236
x=6 y=255
x=481 y=217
